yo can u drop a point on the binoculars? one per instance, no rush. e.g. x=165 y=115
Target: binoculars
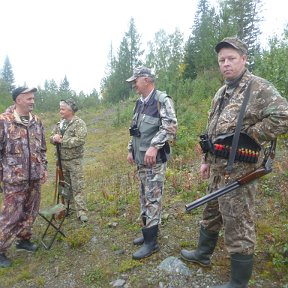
x=134 y=131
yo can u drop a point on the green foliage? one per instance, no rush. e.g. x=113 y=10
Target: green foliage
x=128 y=265
x=124 y=111
x=242 y=19
x=278 y=251
x=112 y=197
x=64 y=85
x=7 y=74
x=95 y=277
x=114 y=86
x=165 y=55
x=5 y=95
x=79 y=237
x=198 y=53
x=190 y=75
x=272 y=63
x=192 y=101
x=282 y=247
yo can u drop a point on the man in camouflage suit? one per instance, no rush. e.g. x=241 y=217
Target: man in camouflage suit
x=71 y=132
x=265 y=118
x=23 y=168
x=153 y=124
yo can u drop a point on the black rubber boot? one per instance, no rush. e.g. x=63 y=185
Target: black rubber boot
x=241 y=271
x=206 y=245
x=150 y=245
x=140 y=240
x=4 y=261
x=26 y=245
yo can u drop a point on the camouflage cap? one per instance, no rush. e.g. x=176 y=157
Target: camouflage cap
x=235 y=42
x=22 y=90
x=141 y=72
x=71 y=103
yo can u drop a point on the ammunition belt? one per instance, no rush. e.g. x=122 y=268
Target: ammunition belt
x=242 y=154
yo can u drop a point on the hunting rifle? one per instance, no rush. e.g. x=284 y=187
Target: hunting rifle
x=265 y=168
x=60 y=181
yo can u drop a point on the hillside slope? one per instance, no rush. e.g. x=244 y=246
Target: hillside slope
x=96 y=254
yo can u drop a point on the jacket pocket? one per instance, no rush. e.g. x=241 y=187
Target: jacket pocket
x=13 y=171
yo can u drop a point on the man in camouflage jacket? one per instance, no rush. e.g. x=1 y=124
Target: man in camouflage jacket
x=70 y=133
x=23 y=168
x=154 y=123
x=265 y=118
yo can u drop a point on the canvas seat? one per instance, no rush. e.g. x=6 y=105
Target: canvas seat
x=55 y=216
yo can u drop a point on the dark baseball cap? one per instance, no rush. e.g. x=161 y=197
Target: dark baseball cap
x=22 y=90
x=233 y=42
x=141 y=72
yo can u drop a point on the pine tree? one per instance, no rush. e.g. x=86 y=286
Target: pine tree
x=199 y=54
x=7 y=74
x=64 y=85
x=113 y=86
x=243 y=19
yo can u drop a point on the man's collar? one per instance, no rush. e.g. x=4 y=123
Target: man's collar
x=147 y=98
x=17 y=116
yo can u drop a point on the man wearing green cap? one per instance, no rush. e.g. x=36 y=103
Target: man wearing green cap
x=265 y=118
x=23 y=168
x=70 y=134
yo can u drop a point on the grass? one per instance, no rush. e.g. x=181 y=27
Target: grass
x=95 y=254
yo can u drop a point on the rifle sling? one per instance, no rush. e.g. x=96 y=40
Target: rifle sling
x=235 y=140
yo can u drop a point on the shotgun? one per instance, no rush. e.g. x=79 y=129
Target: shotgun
x=265 y=168
x=59 y=166
x=60 y=181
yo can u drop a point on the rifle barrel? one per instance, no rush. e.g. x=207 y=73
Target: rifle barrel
x=212 y=196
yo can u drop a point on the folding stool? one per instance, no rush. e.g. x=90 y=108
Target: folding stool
x=56 y=214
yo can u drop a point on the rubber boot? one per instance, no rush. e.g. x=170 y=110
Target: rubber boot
x=26 y=245
x=4 y=261
x=140 y=240
x=150 y=245
x=241 y=271
x=206 y=245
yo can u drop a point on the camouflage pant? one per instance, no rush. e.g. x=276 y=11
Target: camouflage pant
x=74 y=176
x=20 y=209
x=151 y=192
x=235 y=211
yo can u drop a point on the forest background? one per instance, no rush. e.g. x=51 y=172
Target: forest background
x=188 y=71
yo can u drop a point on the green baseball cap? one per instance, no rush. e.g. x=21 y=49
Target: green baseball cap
x=233 y=42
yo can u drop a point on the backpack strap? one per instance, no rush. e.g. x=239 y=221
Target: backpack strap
x=160 y=98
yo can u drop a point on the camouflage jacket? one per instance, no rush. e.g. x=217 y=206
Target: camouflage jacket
x=266 y=115
x=72 y=145
x=157 y=123
x=22 y=148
